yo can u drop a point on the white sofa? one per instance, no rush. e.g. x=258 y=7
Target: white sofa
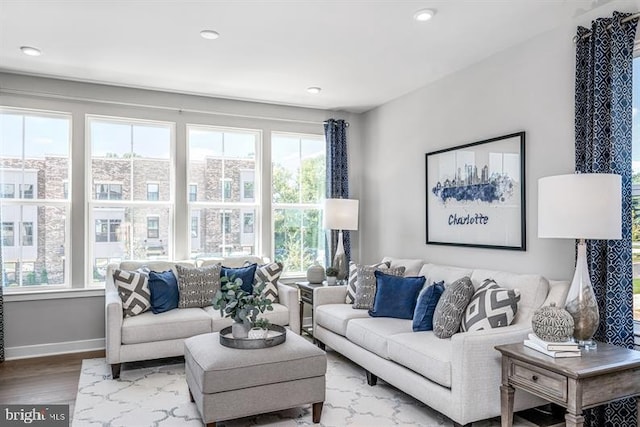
x=154 y=336
x=459 y=376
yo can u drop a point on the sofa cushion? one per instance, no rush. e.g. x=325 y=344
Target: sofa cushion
x=423 y=353
x=450 y=308
x=444 y=273
x=197 y=285
x=533 y=290
x=353 y=279
x=426 y=306
x=490 y=307
x=366 y=285
x=164 y=291
x=335 y=317
x=245 y=274
x=395 y=296
x=279 y=316
x=372 y=333
x=269 y=274
x=133 y=288
x=174 y=324
x=411 y=266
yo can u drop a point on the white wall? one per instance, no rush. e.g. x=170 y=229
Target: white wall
x=527 y=88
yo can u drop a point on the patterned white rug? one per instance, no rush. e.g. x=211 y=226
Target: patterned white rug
x=155 y=394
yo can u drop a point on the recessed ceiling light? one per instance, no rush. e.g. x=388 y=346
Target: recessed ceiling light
x=31 y=51
x=314 y=90
x=209 y=34
x=424 y=15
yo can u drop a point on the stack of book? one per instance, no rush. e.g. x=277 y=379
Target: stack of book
x=553 y=349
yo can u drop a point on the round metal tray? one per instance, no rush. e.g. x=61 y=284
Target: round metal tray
x=277 y=335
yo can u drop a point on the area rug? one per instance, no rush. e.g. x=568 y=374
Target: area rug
x=155 y=394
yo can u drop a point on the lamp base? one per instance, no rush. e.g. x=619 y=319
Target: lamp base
x=340 y=260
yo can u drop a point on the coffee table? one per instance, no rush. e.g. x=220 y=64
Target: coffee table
x=227 y=383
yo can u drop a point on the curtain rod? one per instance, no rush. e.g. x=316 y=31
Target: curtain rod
x=346 y=124
x=624 y=21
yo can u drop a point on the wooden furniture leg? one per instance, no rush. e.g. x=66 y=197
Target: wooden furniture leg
x=371 y=378
x=115 y=370
x=317 y=412
x=573 y=420
x=507 y=393
x=191 y=399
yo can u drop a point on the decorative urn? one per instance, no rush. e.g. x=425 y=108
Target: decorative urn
x=553 y=324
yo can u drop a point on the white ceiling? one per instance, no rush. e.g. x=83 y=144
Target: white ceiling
x=362 y=53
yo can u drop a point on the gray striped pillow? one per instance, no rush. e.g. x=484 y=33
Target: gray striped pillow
x=197 y=286
x=353 y=278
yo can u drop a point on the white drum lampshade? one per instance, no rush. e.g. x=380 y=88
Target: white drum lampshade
x=341 y=214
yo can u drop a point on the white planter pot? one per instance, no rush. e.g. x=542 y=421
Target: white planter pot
x=258 y=333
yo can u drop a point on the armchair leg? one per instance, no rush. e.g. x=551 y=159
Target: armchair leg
x=115 y=370
x=371 y=378
x=321 y=345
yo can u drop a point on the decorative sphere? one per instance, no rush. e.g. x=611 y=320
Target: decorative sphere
x=553 y=324
x=315 y=273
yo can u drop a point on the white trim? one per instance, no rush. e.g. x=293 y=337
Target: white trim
x=51 y=349
x=54 y=294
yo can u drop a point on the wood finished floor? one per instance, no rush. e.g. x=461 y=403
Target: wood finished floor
x=43 y=380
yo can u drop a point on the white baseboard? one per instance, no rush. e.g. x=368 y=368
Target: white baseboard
x=50 y=349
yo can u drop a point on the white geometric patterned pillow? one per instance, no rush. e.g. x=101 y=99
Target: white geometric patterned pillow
x=490 y=307
x=269 y=274
x=353 y=279
x=133 y=288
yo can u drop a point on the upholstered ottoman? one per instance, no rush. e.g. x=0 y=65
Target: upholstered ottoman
x=227 y=383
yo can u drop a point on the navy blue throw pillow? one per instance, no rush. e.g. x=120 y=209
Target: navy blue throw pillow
x=395 y=295
x=426 y=306
x=246 y=274
x=164 y=291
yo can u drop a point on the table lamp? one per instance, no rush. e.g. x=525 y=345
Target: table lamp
x=340 y=214
x=581 y=206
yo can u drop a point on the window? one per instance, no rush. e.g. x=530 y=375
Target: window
x=130 y=160
x=65 y=190
x=153 y=227
x=194 y=227
x=27 y=234
x=247 y=223
x=8 y=238
x=8 y=191
x=635 y=192
x=26 y=191
x=193 y=192
x=227 y=189
x=108 y=191
x=153 y=192
x=108 y=230
x=35 y=216
x=298 y=188
x=219 y=160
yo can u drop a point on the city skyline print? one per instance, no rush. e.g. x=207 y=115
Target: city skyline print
x=475 y=194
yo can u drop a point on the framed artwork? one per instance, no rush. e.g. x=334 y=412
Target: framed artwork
x=476 y=194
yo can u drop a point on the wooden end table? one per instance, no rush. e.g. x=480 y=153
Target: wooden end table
x=576 y=383
x=306 y=297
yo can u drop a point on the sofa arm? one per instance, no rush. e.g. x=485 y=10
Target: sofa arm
x=329 y=295
x=113 y=325
x=288 y=296
x=476 y=364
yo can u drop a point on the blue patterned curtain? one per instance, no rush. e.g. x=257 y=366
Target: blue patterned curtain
x=335 y=133
x=1 y=313
x=603 y=145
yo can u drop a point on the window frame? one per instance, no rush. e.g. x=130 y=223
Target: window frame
x=62 y=203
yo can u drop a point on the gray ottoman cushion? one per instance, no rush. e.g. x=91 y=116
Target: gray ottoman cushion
x=216 y=368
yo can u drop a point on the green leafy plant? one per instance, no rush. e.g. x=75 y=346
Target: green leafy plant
x=332 y=272
x=241 y=306
x=261 y=323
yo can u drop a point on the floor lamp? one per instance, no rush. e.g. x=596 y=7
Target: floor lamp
x=340 y=214
x=581 y=206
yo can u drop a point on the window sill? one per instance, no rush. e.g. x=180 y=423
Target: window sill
x=53 y=294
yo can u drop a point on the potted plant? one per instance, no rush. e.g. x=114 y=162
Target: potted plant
x=241 y=306
x=332 y=274
x=260 y=329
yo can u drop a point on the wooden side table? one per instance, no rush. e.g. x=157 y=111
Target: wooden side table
x=577 y=383
x=306 y=297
